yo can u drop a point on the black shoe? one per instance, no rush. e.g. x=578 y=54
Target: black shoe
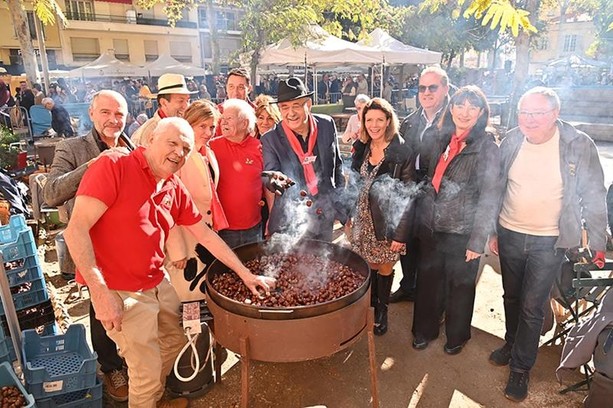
x=501 y=356
x=517 y=386
x=384 y=287
x=453 y=350
x=68 y=276
x=402 y=296
x=419 y=344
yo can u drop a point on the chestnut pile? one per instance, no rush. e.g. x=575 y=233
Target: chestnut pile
x=10 y=396
x=302 y=280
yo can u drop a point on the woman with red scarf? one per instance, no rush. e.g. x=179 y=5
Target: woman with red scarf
x=456 y=214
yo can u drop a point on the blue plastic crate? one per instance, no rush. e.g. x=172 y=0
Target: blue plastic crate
x=8 y=378
x=4 y=348
x=32 y=293
x=9 y=232
x=46 y=330
x=23 y=270
x=86 y=398
x=58 y=364
x=22 y=247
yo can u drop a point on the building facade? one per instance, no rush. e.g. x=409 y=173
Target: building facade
x=134 y=34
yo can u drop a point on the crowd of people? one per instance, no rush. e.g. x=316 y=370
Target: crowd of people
x=431 y=191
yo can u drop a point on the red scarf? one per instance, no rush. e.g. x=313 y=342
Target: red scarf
x=306 y=158
x=456 y=144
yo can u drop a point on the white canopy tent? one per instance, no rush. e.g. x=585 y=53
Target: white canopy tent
x=394 y=51
x=107 y=66
x=322 y=50
x=165 y=63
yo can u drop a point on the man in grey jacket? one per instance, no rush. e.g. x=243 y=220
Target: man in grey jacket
x=553 y=183
x=108 y=112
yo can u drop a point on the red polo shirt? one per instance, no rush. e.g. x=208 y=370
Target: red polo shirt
x=129 y=238
x=240 y=180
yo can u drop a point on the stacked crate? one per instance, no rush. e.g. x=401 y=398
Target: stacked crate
x=26 y=281
x=60 y=370
x=9 y=379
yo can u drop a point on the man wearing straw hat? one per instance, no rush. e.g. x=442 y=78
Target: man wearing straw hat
x=173 y=99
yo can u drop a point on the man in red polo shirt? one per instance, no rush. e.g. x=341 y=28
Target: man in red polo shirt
x=240 y=161
x=124 y=208
x=238 y=86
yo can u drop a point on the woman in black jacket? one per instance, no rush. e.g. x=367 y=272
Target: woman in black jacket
x=384 y=180
x=456 y=213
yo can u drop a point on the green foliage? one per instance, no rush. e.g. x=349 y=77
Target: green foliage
x=8 y=154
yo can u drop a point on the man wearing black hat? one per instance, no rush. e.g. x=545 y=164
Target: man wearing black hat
x=303 y=146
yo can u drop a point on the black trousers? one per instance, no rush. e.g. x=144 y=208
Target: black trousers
x=408 y=263
x=105 y=347
x=445 y=283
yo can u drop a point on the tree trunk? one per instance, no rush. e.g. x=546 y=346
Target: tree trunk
x=522 y=60
x=20 y=22
x=212 y=21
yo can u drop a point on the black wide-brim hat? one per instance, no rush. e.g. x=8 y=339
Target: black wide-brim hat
x=291 y=89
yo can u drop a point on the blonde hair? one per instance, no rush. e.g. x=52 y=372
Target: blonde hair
x=201 y=110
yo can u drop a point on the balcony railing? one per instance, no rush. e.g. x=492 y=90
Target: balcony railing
x=127 y=19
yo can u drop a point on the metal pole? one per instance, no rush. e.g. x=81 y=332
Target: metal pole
x=10 y=313
x=43 y=52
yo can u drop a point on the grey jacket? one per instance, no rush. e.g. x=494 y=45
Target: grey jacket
x=583 y=185
x=69 y=165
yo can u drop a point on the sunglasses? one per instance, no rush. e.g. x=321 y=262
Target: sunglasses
x=431 y=88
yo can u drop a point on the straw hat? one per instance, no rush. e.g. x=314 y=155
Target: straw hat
x=172 y=84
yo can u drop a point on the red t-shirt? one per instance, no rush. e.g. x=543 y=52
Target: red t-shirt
x=240 y=183
x=129 y=238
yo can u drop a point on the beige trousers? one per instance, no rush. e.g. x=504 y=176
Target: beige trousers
x=150 y=340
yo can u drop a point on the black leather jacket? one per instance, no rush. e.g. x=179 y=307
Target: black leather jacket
x=392 y=193
x=467 y=201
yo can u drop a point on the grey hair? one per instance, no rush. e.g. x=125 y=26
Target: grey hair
x=180 y=124
x=244 y=112
x=46 y=101
x=107 y=92
x=552 y=97
x=142 y=118
x=361 y=98
x=438 y=71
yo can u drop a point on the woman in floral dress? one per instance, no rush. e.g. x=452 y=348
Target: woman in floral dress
x=385 y=187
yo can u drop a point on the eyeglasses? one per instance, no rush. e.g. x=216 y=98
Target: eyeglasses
x=533 y=115
x=431 y=88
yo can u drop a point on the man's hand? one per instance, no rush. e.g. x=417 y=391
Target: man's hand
x=493 y=244
x=253 y=282
x=276 y=182
x=470 y=255
x=599 y=259
x=109 y=308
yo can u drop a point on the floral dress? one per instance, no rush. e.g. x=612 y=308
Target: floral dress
x=363 y=240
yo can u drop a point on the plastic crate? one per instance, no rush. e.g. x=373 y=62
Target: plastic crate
x=58 y=364
x=22 y=247
x=23 y=270
x=4 y=346
x=32 y=317
x=16 y=239
x=8 y=378
x=31 y=294
x=10 y=356
x=86 y=398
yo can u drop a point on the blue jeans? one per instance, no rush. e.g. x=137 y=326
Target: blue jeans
x=529 y=265
x=235 y=238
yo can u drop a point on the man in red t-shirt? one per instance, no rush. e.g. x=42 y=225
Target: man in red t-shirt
x=125 y=206
x=240 y=161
